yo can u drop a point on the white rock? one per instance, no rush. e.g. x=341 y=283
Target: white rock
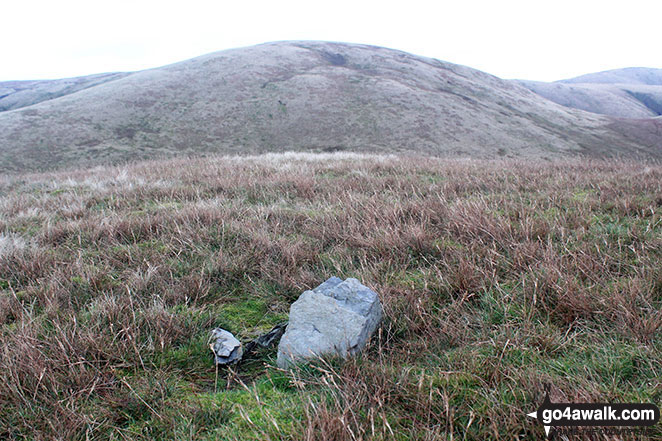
x=337 y=318
x=227 y=349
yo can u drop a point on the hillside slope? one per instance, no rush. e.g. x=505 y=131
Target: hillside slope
x=630 y=75
x=17 y=94
x=634 y=92
x=620 y=100
x=305 y=96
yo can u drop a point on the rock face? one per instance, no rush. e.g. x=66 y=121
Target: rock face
x=227 y=349
x=336 y=318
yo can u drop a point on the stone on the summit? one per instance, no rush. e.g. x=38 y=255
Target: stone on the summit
x=336 y=318
x=227 y=349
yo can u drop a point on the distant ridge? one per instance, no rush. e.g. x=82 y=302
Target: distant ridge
x=630 y=75
x=17 y=94
x=634 y=92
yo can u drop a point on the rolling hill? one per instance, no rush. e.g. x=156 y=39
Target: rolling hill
x=17 y=94
x=629 y=75
x=628 y=93
x=307 y=96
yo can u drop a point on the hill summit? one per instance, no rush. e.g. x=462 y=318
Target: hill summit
x=306 y=96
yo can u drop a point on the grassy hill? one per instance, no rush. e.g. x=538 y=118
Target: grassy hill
x=630 y=75
x=305 y=96
x=17 y=94
x=619 y=100
x=496 y=277
x=626 y=93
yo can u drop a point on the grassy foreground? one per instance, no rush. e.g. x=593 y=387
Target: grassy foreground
x=496 y=278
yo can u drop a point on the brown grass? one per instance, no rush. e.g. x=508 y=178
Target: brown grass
x=496 y=278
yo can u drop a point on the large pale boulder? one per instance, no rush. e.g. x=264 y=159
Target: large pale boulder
x=336 y=318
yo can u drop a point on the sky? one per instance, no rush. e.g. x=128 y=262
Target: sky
x=535 y=40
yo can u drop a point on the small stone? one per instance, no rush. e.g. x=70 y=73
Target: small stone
x=337 y=318
x=227 y=349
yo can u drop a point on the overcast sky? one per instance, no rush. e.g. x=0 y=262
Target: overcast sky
x=529 y=39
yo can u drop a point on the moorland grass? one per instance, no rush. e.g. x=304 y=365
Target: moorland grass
x=496 y=278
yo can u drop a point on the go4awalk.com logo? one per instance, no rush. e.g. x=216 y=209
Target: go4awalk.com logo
x=595 y=417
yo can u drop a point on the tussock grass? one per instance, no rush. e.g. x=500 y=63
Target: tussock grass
x=496 y=278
